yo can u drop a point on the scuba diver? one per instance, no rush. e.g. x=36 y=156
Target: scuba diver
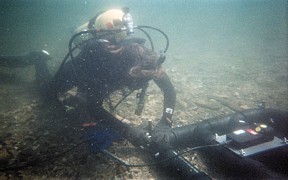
x=108 y=59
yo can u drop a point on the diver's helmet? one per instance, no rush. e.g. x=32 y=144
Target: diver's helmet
x=114 y=19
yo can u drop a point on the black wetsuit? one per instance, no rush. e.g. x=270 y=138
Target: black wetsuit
x=98 y=71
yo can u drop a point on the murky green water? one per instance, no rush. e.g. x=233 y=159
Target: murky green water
x=231 y=49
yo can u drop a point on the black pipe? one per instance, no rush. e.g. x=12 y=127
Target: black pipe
x=169 y=160
x=203 y=134
x=177 y=167
x=222 y=158
x=224 y=124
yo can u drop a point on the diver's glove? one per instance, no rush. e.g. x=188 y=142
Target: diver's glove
x=163 y=135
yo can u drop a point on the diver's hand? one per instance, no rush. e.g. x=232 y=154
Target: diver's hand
x=163 y=135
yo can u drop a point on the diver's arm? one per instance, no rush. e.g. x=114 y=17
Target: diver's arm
x=166 y=86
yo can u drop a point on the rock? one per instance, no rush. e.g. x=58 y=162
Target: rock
x=208 y=104
x=35 y=147
x=182 y=104
x=5 y=156
x=29 y=108
x=46 y=133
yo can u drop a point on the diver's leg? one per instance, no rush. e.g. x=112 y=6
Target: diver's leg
x=42 y=74
x=23 y=60
x=13 y=61
x=37 y=58
x=61 y=82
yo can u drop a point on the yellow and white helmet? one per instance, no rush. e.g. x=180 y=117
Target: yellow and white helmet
x=108 y=20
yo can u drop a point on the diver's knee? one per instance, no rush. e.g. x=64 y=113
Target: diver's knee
x=38 y=56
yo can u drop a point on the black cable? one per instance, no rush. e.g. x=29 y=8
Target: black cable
x=164 y=34
x=124 y=97
x=107 y=153
x=120 y=161
x=149 y=37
